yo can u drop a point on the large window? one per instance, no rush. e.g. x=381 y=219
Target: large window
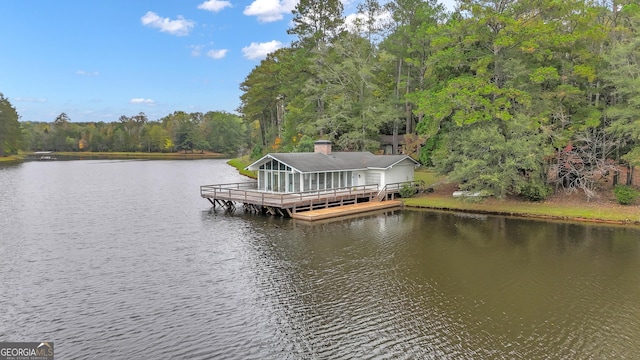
x=306 y=179
x=261 y=179
x=296 y=182
x=283 y=182
x=344 y=179
x=276 y=176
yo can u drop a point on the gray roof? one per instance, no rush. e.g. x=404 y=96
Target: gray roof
x=336 y=161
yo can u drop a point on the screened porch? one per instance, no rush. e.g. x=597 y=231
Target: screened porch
x=275 y=176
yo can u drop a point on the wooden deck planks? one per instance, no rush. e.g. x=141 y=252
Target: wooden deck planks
x=291 y=200
x=345 y=210
x=311 y=205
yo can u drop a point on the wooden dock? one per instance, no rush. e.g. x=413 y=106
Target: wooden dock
x=337 y=202
x=284 y=204
x=339 y=211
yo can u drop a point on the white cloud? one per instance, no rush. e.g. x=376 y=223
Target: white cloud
x=270 y=10
x=179 y=27
x=217 y=54
x=356 y=22
x=30 y=99
x=142 y=101
x=260 y=50
x=196 y=50
x=214 y=5
x=87 y=73
x=450 y=5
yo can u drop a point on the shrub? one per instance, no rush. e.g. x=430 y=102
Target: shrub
x=625 y=194
x=407 y=191
x=536 y=192
x=256 y=152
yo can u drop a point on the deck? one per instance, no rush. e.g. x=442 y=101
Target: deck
x=346 y=210
x=287 y=204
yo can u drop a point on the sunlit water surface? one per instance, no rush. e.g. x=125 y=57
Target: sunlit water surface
x=123 y=259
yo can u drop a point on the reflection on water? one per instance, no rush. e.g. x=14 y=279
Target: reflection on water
x=126 y=260
x=433 y=285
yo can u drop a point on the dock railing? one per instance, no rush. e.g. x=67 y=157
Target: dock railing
x=394 y=188
x=247 y=192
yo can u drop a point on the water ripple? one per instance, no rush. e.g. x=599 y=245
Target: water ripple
x=139 y=267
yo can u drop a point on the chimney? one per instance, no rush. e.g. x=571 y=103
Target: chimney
x=322 y=146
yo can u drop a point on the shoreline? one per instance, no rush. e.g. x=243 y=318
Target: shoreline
x=9 y=159
x=523 y=215
x=86 y=155
x=558 y=207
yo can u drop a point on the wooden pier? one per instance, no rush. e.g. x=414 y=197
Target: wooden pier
x=226 y=196
x=346 y=210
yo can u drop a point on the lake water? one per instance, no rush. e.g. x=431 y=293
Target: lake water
x=124 y=260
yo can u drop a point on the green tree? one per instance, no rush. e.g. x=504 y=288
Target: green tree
x=356 y=104
x=316 y=22
x=61 y=131
x=97 y=137
x=259 y=101
x=155 y=137
x=495 y=157
x=413 y=25
x=9 y=128
x=133 y=128
x=177 y=125
x=185 y=136
x=224 y=133
x=623 y=75
x=473 y=96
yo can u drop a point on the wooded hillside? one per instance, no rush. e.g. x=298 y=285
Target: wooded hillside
x=506 y=97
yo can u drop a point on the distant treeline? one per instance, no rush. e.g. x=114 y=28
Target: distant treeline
x=213 y=131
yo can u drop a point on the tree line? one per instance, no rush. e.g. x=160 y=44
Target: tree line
x=213 y=131
x=505 y=97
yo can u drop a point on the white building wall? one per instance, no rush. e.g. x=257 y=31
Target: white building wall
x=375 y=177
x=400 y=173
x=359 y=178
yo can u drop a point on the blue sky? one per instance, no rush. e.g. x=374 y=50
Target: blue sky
x=97 y=60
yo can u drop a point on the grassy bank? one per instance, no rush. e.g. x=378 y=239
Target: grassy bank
x=554 y=210
x=240 y=163
x=10 y=159
x=560 y=206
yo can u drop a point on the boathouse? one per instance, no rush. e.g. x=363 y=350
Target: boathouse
x=288 y=183
x=325 y=170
